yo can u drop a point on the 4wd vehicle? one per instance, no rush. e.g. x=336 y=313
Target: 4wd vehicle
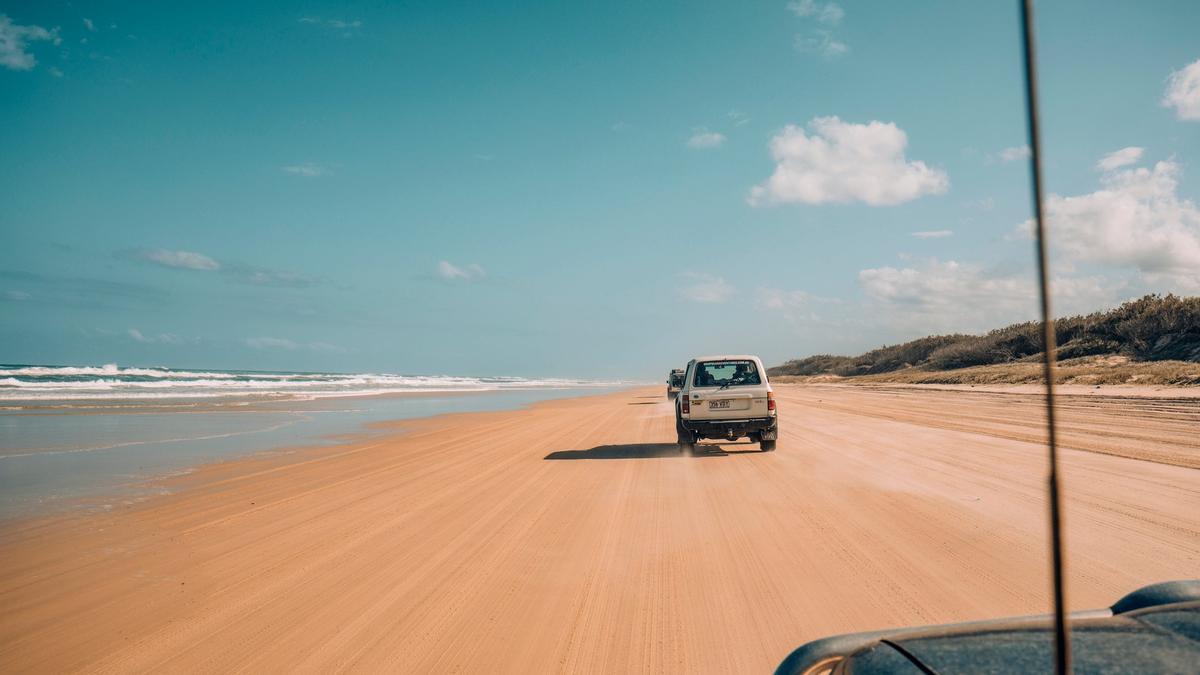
x=1152 y=630
x=726 y=397
x=675 y=382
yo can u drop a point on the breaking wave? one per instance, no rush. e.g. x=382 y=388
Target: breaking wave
x=113 y=382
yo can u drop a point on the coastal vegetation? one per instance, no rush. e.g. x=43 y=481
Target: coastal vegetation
x=1152 y=340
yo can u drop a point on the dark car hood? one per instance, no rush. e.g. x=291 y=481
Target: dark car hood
x=1153 y=630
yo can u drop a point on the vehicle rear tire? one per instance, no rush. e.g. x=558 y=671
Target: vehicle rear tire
x=766 y=446
x=683 y=437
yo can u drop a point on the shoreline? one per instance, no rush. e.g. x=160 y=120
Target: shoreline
x=164 y=483
x=88 y=474
x=371 y=436
x=118 y=405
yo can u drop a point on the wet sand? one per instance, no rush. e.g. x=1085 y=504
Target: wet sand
x=572 y=537
x=92 y=454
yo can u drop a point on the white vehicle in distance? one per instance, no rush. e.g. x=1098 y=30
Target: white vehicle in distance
x=726 y=398
x=674 y=382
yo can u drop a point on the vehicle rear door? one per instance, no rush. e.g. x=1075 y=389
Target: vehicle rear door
x=733 y=402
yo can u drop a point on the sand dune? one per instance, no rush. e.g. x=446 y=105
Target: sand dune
x=572 y=537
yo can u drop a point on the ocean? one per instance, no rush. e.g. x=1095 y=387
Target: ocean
x=94 y=437
x=108 y=382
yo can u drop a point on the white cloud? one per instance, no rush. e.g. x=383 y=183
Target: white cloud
x=90 y=26
x=933 y=296
x=1183 y=92
x=936 y=285
x=14 y=40
x=843 y=162
x=161 y=338
x=819 y=39
x=932 y=234
x=1120 y=158
x=1014 y=153
x=827 y=13
x=738 y=118
x=188 y=260
x=451 y=272
x=1136 y=220
x=821 y=42
x=232 y=271
x=794 y=308
x=307 y=169
x=706 y=288
x=16 y=296
x=703 y=139
x=272 y=343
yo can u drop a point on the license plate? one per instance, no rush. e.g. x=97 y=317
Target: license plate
x=718 y=405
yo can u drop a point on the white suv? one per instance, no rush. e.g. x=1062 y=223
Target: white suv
x=726 y=397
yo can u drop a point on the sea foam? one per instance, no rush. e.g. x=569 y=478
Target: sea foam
x=110 y=381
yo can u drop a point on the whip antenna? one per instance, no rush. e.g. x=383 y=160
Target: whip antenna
x=1062 y=642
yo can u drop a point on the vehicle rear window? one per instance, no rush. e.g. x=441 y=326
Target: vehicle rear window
x=676 y=379
x=726 y=374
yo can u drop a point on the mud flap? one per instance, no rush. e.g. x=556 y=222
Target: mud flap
x=771 y=434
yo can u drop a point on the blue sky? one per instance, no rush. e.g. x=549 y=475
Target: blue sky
x=577 y=189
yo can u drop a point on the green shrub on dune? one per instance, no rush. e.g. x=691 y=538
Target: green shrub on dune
x=1152 y=328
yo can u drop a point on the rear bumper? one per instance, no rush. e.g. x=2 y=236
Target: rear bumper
x=730 y=429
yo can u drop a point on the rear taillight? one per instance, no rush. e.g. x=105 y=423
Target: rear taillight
x=685 y=406
x=770 y=400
